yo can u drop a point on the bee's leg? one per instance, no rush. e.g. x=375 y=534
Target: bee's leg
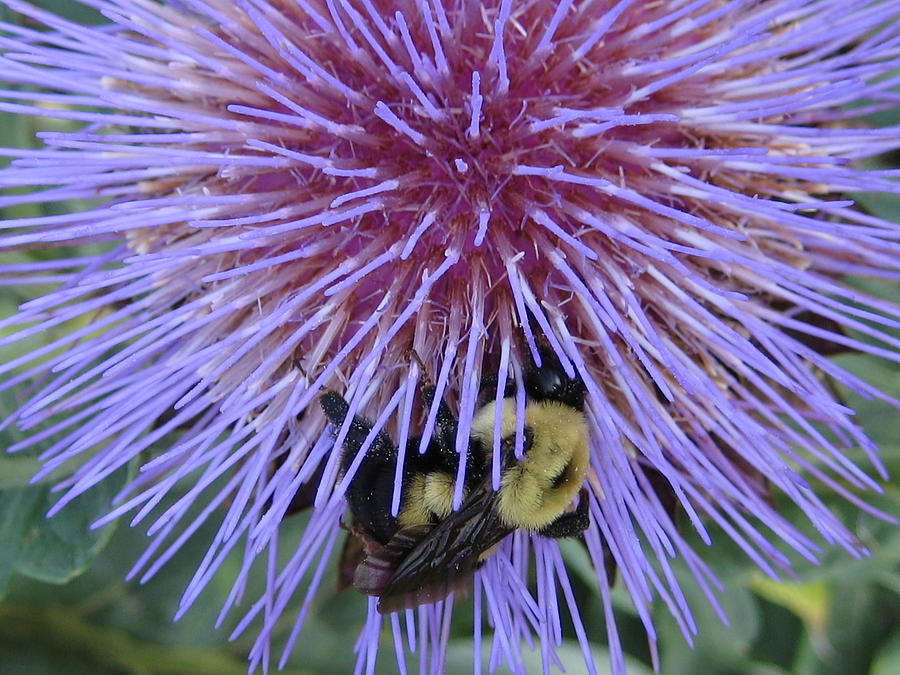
x=570 y=524
x=445 y=418
x=446 y=423
x=372 y=488
x=336 y=409
x=441 y=451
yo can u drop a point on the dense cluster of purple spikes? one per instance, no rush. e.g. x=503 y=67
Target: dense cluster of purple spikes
x=292 y=195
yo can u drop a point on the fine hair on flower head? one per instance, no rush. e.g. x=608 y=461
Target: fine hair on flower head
x=243 y=205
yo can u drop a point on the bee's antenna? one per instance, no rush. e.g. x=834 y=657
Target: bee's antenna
x=426 y=379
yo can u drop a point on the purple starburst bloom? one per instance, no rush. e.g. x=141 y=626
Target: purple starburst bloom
x=293 y=195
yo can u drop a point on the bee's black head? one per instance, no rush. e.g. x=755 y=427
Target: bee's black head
x=549 y=382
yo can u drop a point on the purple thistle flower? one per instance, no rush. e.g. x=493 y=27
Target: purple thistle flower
x=295 y=195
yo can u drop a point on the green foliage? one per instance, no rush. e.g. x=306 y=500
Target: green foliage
x=54 y=550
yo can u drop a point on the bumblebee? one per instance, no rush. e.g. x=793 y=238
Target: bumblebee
x=429 y=549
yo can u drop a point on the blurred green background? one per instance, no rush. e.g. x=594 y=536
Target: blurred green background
x=67 y=609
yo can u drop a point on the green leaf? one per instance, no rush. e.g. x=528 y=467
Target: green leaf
x=882 y=205
x=54 y=549
x=862 y=621
x=888 y=660
x=809 y=601
x=61 y=636
x=74 y=11
x=17 y=507
x=17 y=471
x=718 y=648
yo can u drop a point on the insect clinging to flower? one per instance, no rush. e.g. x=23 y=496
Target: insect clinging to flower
x=432 y=547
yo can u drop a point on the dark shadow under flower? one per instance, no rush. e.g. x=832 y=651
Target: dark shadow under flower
x=295 y=195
